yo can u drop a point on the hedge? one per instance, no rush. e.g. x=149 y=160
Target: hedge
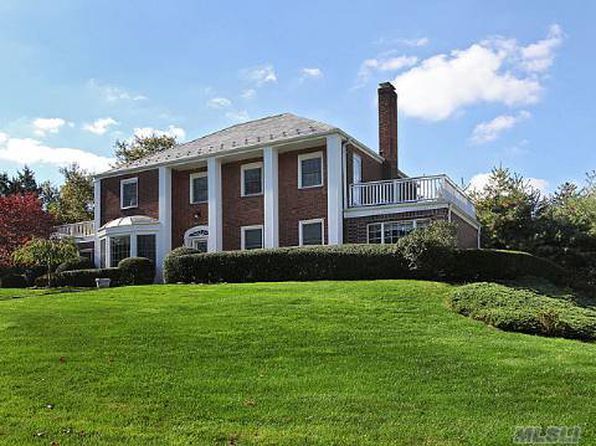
x=136 y=271
x=86 y=277
x=12 y=280
x=354 y=262
x=75 y=264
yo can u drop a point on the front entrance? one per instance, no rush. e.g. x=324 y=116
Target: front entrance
x=197 y=238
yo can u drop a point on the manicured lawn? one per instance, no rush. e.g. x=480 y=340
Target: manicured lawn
x=352 y=363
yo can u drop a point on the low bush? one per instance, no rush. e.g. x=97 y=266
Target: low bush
x=86 y=277
x=74 y=264
x=12 y=280
x=525 y=310
x=136 y=271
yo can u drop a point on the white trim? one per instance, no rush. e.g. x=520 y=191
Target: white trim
x=334 y=190
x=250 y=166
x=164 y=239
x=215 y=209
x=96 y=220
x=188 y=239
x=191 y=184
x=393 y=209
x=301 y=223
x=134 y=180
x=271 y=198
x=243 y=230
x=309 y=156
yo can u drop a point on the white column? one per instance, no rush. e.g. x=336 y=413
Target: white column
x=96 y=220
x=334 y=192
x=164 y=242
x=271 y=197
x=215 y=239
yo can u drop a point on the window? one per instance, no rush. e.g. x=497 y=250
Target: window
x=391 y=232
x=129 y=193
x=310 y=170
x=311 y=232
x=197 y=238
x=198 y=187
x=252 y=179
x=252 y=237
x=146 y=246
x=119 y=249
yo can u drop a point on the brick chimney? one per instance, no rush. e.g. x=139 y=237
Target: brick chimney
x=388 y=128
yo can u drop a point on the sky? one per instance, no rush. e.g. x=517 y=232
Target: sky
x=480 y=84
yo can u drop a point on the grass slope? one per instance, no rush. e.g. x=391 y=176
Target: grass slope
x=363 y=363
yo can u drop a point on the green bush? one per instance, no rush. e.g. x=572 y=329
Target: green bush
x=74 y=264
x=86 y=277
x=42 y=281
x=136 y=271
x=525 y=310
x=428 y=251
x=12 y=280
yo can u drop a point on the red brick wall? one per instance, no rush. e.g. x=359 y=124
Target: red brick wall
x=299 y=204
x=148 y=189
x=184 y=214
x=467 y=235
x=372 y=170
x=237 y=211
x=355 y=229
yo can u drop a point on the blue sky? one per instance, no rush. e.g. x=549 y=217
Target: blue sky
x=479 y=84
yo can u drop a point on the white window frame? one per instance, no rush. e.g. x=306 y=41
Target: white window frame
x=250 y=166
x=243 y=230
x=307 y=156
x=191 y=187
x=301 y=223
x=134 y=180
x=383 y=223
x=189 y=240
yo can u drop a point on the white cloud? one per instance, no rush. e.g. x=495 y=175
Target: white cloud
x=480 y=180
x=219 y=102
x=260 y=75
x=313 y=73
x=384 y=64
x=238 y=115
x=489 y=131
x=496 y=70
x=249 y=93
x=145 y=132
x=100 y=126
x=43 y=126
x=30 y=151
x=113 y=93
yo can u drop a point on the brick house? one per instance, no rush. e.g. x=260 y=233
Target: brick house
x=277 y=181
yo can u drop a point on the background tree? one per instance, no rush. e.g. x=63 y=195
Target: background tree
x=75 y=201
x=21 y=218
x=24 y=182
x=140 y=147
x=507 y=208
x=49 y=196
x=4 y=184
x=48 y=253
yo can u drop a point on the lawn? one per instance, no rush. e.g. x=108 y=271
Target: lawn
x=330 y=363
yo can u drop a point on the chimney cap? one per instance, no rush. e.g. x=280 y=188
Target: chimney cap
x=386 y=86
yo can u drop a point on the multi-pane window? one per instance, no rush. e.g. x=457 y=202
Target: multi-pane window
x=146 y=246
x=252 y=179
x=310 y=170
x=200 y=244
x=391 y=232
x=252 y=237
x=311 y=232
x=119 y=249
x=129 y=193
x=198 y=188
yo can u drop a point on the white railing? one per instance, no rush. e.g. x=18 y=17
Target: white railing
x=436 y=188
x=82 y=229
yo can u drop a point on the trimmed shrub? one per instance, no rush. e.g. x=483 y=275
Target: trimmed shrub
x=42 y=281
x=525 y=311
x=356 y=262
x=78 y=263
x=12 y=280
x=136 y=271
x=86 y=277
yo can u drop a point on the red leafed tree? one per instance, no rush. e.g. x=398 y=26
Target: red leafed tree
x=21 y=219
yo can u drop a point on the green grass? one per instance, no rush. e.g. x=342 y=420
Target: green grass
x=535 y=308
x=341 y=363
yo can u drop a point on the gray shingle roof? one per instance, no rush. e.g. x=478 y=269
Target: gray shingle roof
x=274 y=129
